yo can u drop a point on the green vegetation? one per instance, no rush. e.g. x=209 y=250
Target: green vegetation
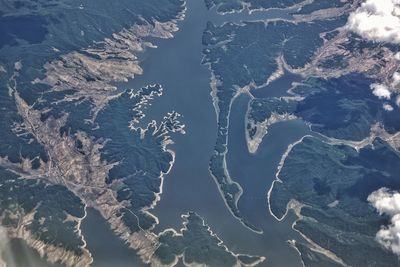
x=51 y=206
x=342 y=108
x=333 y=182
x=196 y=244
x=43 y=39
x=312 y=258
x=244 y=55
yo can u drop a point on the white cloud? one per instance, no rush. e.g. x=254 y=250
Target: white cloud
x=388 y=202
x=387 y=107
x=385 y=201
x=395 y=79
x=377 y=20
x=381 y=90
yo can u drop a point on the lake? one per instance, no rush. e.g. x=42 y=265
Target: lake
x=175 y=64
x=189 y=186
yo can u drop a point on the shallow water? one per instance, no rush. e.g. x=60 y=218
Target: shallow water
x=278 y=87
